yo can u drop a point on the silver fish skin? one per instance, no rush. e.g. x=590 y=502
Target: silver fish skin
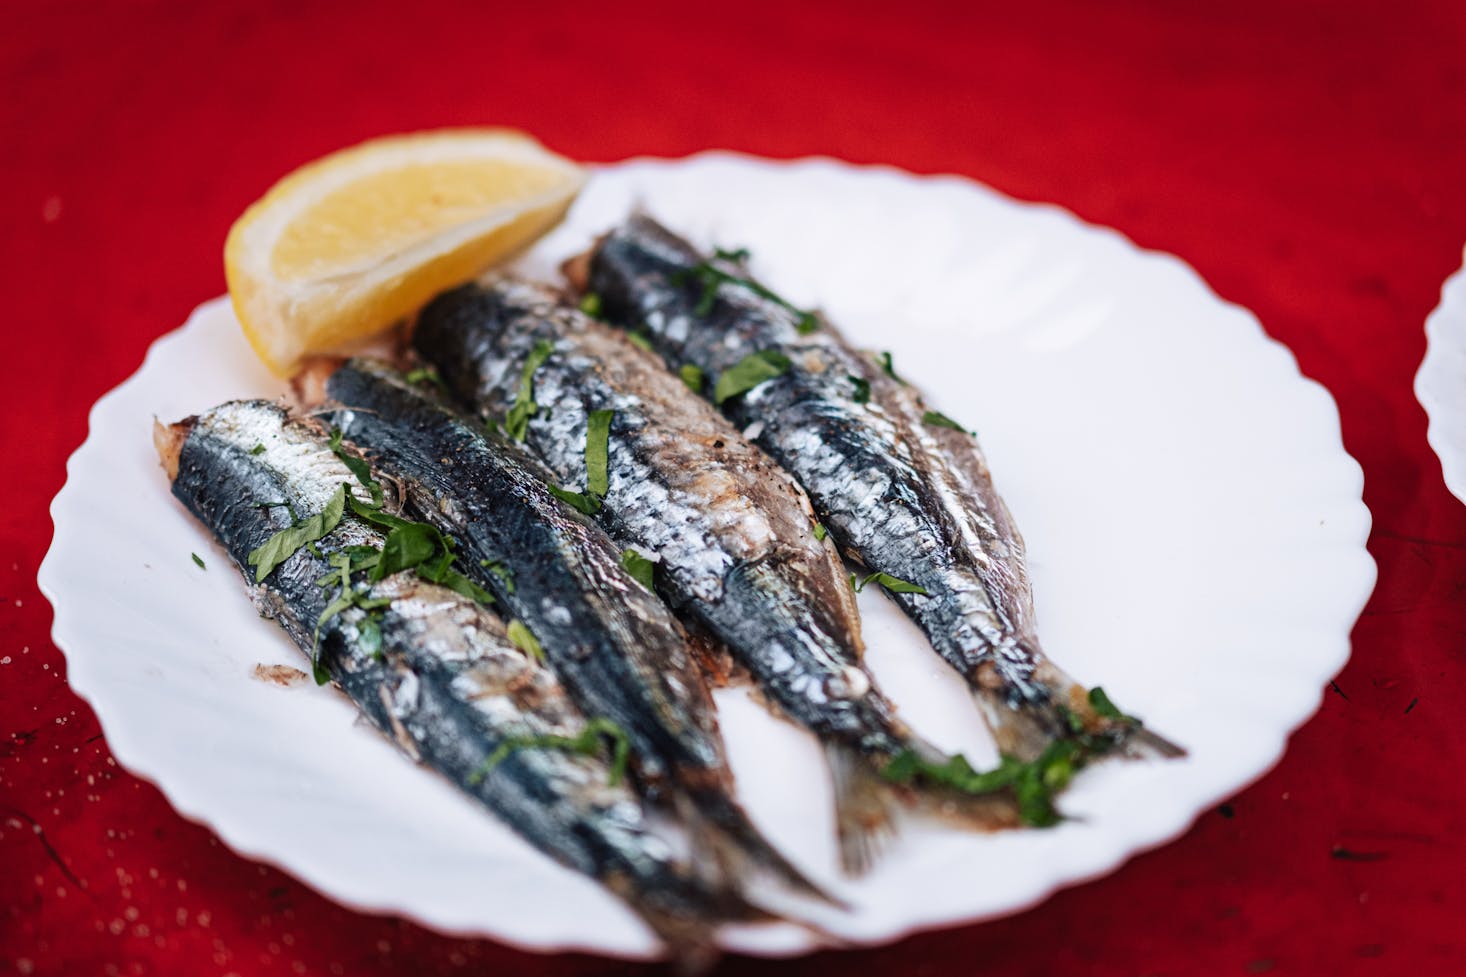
x=445 y=683
x=899 y=494
x=733 y=536
x=614 y=646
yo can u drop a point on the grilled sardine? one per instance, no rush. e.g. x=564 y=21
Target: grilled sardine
x=432 y=668
x=902 y=489
x=729 y=538
x=614 y=645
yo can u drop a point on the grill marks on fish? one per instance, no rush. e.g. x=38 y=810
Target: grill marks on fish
x=899 y=495
x=613 y=644
x=733 y=533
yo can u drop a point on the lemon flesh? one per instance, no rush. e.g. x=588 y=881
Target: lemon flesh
x=345 y=247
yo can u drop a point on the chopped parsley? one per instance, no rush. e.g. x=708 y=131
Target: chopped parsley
x=597 y=438
x=894 y=584
x=590 y=304
x=524 y=640
x=368 y=628
x=691 y=375
x=357 y=466
x=516 y=422
x=587 y=743
x=884 y=359
x=284 y=544
x=501 y=571
x=748 y=373
x=579 y=501
x=1033 y=784
x=424 y=374
x=408 y=545
x=938 y=419
x=711 y=277
x=1101 y=704
x=258 y=449
x=641 y=339
x=862 y=389
x=597 y=479
x=198 y=560
x=820 y=532
x=640 y=568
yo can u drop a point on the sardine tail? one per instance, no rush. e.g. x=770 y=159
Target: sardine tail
x=1146 y=744
x=865 y=808
x=1023 y=733
x=723 y=834
x=688 y=927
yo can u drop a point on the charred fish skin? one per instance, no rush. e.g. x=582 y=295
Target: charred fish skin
x=902 y=496
x=734 y=537
x=613 y=644
x=565 y=580
x=444 y=681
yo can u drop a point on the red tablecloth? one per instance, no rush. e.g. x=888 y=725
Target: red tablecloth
x=1310 y=162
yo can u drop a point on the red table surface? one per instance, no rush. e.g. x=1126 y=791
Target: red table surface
x=1309 y=161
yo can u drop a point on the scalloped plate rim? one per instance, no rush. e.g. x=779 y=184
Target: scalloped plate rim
x=1128 y=843
x=1445 y=331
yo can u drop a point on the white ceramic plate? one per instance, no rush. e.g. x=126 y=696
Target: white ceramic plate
x=1195 y=529
x=1440 y=386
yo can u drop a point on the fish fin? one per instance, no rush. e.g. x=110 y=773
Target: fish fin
x=864 y=808
x=686 y=919
x=1023 y=733
x=722 y=832
x=1145 y=744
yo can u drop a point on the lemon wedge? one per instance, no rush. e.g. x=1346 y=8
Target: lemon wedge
x=346 y=246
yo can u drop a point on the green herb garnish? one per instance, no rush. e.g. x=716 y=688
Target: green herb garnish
x=1101 y=704
x=258 y=449
x=1033 y=784
x=424 y=373
x=884 y=359
x=862 y=389
x=819 y=531
x=501 y=571
x=691 y=375
x=938 y=419
x=369 y=632
x=894 y=584
x=284 y=544
x=516 y=422
x=198 y=560
x=524 y=640
x=588 y=743
x=590 y=304
x=357 y=466
x=597 y=479
x=409 y=546
x=597 y=437
x=710 y=276
x=578 y=501
x=641 y=339
x=640 y=568
x=748 y=373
